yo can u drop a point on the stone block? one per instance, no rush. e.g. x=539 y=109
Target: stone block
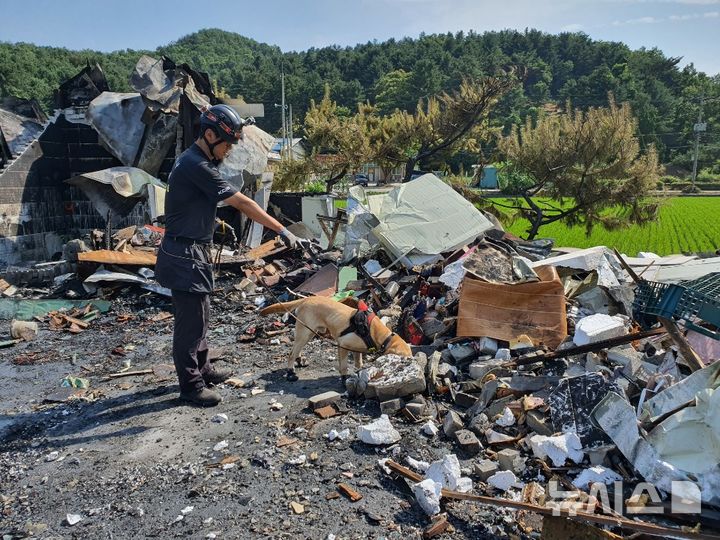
x=487 y=346
x=392 y=376
x=510 y=459
x=452 y=423
x=391 y=407
x=321 y=400
x=468 y=441
x=485 y=468
x=479 y=424
x=536 y=421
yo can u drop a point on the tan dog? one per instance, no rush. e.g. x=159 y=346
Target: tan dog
x=323 y=316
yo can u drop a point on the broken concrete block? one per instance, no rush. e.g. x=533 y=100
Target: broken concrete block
x=321 y=400
x=416 y=409
x=559 y=448
x=479 y=424
x=417 y=406
x=451 y=423
x=378 y=432
x=503 y=354
x=392 y=376
x=482 y=367
x=392 y=406
x=446 y=371
x=447 y=473
x=487 y=346
x=427 y=494
x=506 y=418
x=536 y=421
x=463 y=354
x=468 y=441
x=598 y=327
x=495 y=437
x=430 y=428
x=510 y=459
x=421 y=359
x=502 y=480
x=485 y=468
x=498 y=406
x=595 y=474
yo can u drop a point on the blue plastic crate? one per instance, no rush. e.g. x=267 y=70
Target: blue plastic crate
x=687 y=301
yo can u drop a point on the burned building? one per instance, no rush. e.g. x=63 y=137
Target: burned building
x=46 y=189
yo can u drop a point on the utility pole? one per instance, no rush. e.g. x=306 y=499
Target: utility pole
x=282 y=108
x=291 y=133
x=698 y=128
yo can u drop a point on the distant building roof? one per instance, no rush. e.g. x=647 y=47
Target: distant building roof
x=278 y=144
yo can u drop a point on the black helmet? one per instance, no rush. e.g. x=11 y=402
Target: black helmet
x=224 y=121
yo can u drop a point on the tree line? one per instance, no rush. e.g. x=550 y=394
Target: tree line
x=396 y=74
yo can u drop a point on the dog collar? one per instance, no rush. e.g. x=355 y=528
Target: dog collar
x=386 y=343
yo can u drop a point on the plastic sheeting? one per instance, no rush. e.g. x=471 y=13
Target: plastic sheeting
x=117 y=118
x=423 y=218
x=160 y=86
x=250 y=154
x=118 y=189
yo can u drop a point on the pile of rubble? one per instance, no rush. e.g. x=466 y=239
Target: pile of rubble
x=552 y=373
x=542 y=369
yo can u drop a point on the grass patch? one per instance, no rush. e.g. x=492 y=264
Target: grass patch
x=684 y=225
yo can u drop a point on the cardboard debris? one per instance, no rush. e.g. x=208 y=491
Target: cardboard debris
x=505 y=311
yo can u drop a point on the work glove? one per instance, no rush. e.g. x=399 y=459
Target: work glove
x=292 y=241
x=224 y=234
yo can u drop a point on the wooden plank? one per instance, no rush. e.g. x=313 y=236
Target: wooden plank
x=351 y=494
x=439 y=526
x=263 y=250
x=73 y=320
x=640 y=526
x=104 y=256
x=130 y=373
x=693 y=360
x=590 y=347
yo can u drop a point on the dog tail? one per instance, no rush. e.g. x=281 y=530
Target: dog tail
x=281 y=307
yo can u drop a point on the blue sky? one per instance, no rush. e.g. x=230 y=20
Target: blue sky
x=687 y=28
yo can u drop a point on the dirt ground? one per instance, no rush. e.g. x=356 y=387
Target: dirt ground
x=134 y=462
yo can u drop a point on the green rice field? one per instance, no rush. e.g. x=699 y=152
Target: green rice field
x=685 y=225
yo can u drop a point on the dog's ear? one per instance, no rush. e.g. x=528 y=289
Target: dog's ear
x=350 y=302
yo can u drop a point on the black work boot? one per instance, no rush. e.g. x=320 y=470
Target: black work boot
x=217 y=375
x=201 y=396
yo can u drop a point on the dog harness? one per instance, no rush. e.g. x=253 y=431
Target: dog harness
x=360 y=325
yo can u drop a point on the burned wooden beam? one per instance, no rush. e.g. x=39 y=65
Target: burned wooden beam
x=590 y=347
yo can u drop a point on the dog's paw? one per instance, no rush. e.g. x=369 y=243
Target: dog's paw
x=301 y=362
x=291 y=376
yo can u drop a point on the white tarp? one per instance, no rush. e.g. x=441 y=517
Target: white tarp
x=250 y=154
x=127 y=183
x=425 y=217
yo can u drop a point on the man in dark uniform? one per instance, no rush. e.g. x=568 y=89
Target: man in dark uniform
x=184 y=261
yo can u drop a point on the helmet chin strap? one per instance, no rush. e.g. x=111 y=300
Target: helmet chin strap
x=211 y=148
